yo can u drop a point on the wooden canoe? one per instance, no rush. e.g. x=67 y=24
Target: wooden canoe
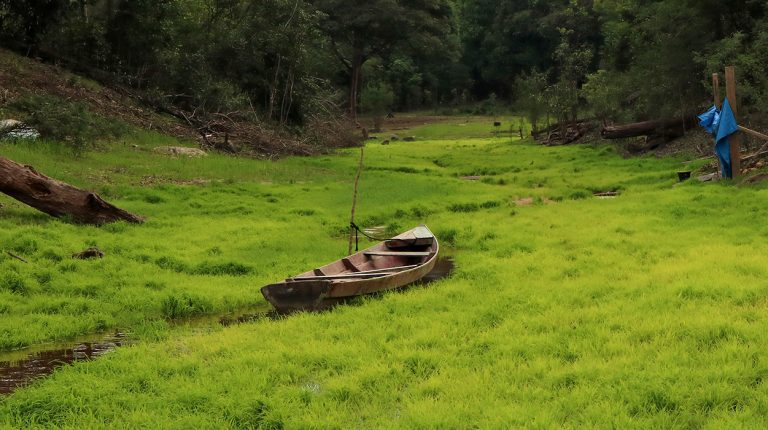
x=393 y=263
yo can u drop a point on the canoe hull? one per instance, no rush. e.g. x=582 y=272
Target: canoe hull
x=398 y=268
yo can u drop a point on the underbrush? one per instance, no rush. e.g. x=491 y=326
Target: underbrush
x=68 y=122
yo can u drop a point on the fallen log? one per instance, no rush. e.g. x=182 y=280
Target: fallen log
x=57 y=198
x=664 y=127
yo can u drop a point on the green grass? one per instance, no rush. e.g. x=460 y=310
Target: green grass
x=470 y=127
x=644 y=311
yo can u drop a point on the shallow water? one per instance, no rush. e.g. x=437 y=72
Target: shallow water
x=19 y=368
x=17 y=372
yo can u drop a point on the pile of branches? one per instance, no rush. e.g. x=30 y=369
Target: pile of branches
x=563 y=134
x=242 y=133
x=332 y=131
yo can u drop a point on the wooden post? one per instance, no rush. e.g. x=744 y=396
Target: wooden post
x=354 y=202
x=718 y=104
x=716 y=90
x=730 y=90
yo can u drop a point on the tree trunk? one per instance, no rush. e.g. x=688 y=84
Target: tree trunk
x=273 y=89
x=646 y=128
x=56 y=198
x=354 y=85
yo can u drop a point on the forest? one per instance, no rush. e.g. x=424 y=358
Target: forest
x=284 y=62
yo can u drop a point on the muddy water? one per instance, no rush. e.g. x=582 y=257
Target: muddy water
x=19 y=368
x=18 y=371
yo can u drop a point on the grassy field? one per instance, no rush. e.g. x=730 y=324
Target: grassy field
x=565 y=311
x=422 y=125
x=472 y=127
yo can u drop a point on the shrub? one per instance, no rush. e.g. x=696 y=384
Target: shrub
x=69 y=122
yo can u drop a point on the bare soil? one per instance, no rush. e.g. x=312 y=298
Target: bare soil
x=21 y=77
x=405 y=121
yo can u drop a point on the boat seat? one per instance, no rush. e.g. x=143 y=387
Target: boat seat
x=347 y=276
x=397 y=254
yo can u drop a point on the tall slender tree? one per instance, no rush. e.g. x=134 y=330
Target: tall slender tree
x=359 y=30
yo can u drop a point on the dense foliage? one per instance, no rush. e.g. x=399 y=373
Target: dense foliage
x=615 y=59
x=278 y=60
x=281 y=60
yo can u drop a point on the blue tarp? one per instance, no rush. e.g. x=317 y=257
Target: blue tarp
x=710 y=120
x=722 y=124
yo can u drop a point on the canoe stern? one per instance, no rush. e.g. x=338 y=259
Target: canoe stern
x=289 y=296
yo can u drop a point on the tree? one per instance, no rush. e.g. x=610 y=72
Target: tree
x=531 y=91
x=22 y=21
x=377 y=100
x=503 y=40
x=362 y=29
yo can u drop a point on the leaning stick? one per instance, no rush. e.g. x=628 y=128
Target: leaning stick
x=354 y=202
x=17 y=257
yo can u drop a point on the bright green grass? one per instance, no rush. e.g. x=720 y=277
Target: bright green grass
x=645 y=311
x=470 y=127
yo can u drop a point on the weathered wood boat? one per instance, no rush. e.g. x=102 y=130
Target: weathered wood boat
x=390 y=264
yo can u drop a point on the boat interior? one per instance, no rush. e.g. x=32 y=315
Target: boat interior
x=399 y=254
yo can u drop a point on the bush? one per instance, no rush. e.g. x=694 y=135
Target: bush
x=69 y=122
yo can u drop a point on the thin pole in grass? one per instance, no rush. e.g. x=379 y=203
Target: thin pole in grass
x=354 y=202
x=730 y=91
x=716 y=90
x=718 y=103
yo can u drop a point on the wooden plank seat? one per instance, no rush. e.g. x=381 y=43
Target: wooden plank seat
x=360 y=275
x=342 y=276
x=397 y=254
x=349 y=265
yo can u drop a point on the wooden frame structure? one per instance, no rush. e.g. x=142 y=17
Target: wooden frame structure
x=736 y=139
